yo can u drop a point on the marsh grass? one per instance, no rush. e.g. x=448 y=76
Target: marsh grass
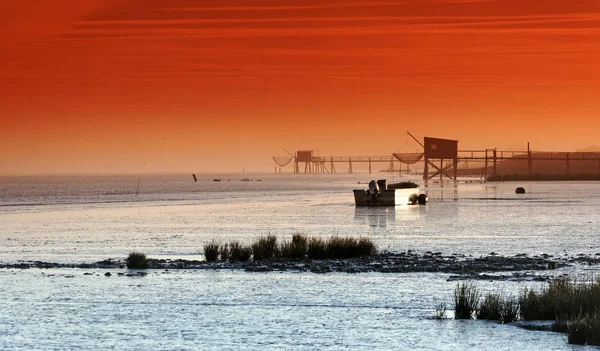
x=299 y=247
x=137 y=260
x=317 y=249
x=265 y=248
x=296 y=248
x=366 y=247
x=534 y=305
x=441 y=312
x=510 y=310
x=466 y=300
x=585 y=330
x=211 y=251
x=224 y=252
x=341 y=247
x=573 y=305
x=239 y=252
x=491 y=308
x=348 y=247
x=563 y=299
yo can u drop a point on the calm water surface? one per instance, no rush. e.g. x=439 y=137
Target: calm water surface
x=84 y=219
x=93 y=218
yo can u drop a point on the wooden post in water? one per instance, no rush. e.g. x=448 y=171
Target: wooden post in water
x=495 y=162
x=485 y=166
x=369 y=165
x=455 y=161
x=529 y=160
x=568 y=163
x=137 y=189
x=195 y=179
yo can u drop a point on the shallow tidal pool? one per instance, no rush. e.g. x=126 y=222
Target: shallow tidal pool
x=226 y=310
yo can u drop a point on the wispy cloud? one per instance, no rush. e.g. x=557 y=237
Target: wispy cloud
x=410 y=42
x=437 y=20
x=291 y=7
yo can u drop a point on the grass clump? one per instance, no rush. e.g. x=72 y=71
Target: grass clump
x=233 y=251
x=224 y=252
x=496 y=308
x=296 y=248
x=211 y=251
x=510 y=310
x=366 y=247
x=265 y=248
x=563 y=299
x=534 y=306
x=239 y=252
x=137 y=260
x=574 y=306
x=466 y=299
x=490 y=308
x=299 y=247
x=441 y=312
x=347 y=247
x=341 y=247
x=585 y=330
x=317 y=249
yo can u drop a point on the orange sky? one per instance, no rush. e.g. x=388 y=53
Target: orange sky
x=121 y=86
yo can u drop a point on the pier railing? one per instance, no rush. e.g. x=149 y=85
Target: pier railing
x=468 y=162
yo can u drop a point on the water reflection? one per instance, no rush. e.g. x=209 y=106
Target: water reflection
x=441 y=192
x=380 y=217
x=386 y=217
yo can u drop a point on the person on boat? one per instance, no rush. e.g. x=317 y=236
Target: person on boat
x=373 y=189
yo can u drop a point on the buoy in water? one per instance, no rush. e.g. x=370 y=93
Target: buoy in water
x=422 y=198
x=520 y=190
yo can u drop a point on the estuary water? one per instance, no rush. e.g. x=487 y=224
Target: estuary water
x=87 y=219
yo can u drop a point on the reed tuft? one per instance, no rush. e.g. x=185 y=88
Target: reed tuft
x=239 y=252
x=466 y=299
x=317 y=249
x=211 y=251
x=137 y=260
x=265 y=248
x=296 y=248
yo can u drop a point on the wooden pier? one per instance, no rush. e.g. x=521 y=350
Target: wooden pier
x=492 y=157
x=444 y=159
x=319 y=164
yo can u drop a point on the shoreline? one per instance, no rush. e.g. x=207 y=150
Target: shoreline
x=490 y=267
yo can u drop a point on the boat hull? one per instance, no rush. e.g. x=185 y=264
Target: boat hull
x=389 y=197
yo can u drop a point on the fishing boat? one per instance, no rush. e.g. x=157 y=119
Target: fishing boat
x=380 y=193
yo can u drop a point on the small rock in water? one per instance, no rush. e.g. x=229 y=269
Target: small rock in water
x=107 y=274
